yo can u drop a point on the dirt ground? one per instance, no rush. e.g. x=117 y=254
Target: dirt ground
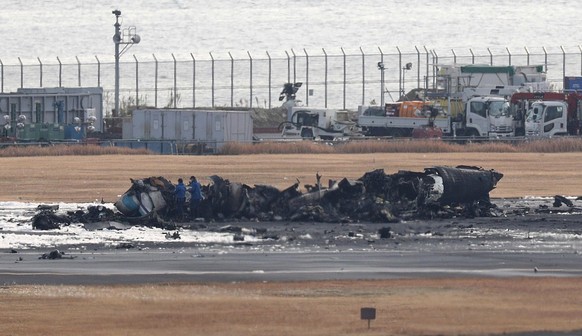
x=90 y=178
x=427 y=306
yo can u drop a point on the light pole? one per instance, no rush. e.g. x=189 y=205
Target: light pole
x=381 y=68
x=408 y=66
x=128 y=38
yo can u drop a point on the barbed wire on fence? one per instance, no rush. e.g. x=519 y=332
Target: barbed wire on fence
x=341 y=78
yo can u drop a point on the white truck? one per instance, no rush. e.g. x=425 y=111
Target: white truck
x=546 y=119
x=553 y=117
x=485 y=116
x=472 y=100
x=481 y=116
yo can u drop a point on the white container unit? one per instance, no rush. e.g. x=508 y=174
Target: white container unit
x=189 y=125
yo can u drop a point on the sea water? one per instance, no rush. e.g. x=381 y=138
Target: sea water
x=51 y=28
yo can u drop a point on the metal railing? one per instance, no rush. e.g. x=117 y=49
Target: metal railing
x=339 y=78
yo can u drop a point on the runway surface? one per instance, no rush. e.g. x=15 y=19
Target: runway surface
x=517 y=243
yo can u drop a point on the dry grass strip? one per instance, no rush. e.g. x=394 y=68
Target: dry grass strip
x=90 y=178
x=467 y=306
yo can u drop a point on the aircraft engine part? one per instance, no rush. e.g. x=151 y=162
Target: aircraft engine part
x=462 y=184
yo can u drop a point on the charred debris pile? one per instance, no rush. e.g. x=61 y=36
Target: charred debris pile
x=437 y=192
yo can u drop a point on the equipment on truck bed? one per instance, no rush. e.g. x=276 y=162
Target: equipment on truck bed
x=314 y=123
x=399 y=119
x=324 y=124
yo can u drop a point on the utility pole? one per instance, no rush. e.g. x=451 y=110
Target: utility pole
x=127 y=38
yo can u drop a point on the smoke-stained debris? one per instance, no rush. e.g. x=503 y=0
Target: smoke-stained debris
x=55 y=254
x=559 y=200
x=561 y=204
x=438 y=192
x=46 y=218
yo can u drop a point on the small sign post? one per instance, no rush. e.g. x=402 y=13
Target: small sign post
x=368 y=313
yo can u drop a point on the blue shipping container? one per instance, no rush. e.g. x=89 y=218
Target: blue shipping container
x=572 y=83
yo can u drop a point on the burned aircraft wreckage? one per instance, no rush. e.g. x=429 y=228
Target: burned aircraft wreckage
x=438 y=192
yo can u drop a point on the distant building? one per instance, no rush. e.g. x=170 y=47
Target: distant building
x=52 y=113
x=213 y=127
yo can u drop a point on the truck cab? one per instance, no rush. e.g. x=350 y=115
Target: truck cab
x=488 y=116
x=546 y=119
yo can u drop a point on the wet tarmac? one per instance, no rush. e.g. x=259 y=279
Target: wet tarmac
x=526 y=239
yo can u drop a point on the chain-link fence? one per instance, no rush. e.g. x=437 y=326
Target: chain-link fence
x=331 y=78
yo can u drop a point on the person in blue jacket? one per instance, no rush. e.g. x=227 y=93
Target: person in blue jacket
x=180 y=193
x=196 y=197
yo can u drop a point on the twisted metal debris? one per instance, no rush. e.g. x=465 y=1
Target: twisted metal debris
x=438 y=192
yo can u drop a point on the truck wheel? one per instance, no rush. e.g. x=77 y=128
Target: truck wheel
x=307 y=133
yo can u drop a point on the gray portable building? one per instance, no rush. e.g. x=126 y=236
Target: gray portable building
x=216 y=126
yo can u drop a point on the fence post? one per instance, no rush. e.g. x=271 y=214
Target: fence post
x=78 y=71
x=527 y=54
x=288 y=67
x=98 y=71
x=381 y=67
x=417 y=67
x=427 y=66
x=193 y=80
x=231 y=80
x=155 y=81
x=175 y=81
x=136 y=82
x=325 y=77
x=454 y=56
x=2 y=76
x=21 y=73
x=212 y=78
x=269 y=80
x=294 y=66
x=40 y=67
x=306 y=77
x=545 y=58
x=250 y=79
x=563 y=67
x=508 y=54
x=399 y=72
x=345 y=76
x=363 y=77
x=435 y=58
x=472 y=56
x=490 y=56
x=60 y=72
